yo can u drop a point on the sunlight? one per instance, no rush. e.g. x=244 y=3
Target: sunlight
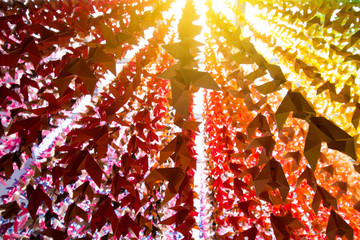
x=226 y=7
x=251 y=15
x=261 y=26
x=218 y=5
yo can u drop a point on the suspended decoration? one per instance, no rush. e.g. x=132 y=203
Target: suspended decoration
x=99 y=120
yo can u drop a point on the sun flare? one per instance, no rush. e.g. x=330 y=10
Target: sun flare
x=179 y=119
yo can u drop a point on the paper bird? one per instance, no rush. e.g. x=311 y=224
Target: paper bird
x=284 y=226
x=326 y=86
x=338 y=227
x=259 y=60
x=259 y=122
x=253 y=171
x=292 y=102
x=76 y=68
x=296 y=156
x=251 y=106
x=36 y=197
x=267 y=142
x=170 y=148
x=357 y=206
x=112 y=43
x=286 y=134
x=272 y=175
x=181 y=80
x=241 y=58
x=118 y=183
x=178 y=218
x=238 y=188
x=244 y=207
x=249 y=233
x=323 y=130
x=84 y=190
x=354 y=38
x=9 y=210
x=179 y=52
x=322 y=195
x=329 y=170
x=255 y=74
x=125 y=224
x=342 y=188
x=73 y=211
x=309 y=176
x=173 y=175
x=104 y=212
x=97 y=55
x=246 y=46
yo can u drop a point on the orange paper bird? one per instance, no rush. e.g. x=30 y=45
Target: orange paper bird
x=323 y=130
x=322 y=195
x=338 y=227
x=272 y=175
